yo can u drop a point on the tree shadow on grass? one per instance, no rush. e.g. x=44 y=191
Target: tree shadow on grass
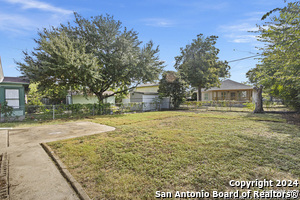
x=280 y=155
x=276 y=123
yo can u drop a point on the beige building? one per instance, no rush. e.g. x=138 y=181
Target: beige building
x=229 y=90
x=147 y=94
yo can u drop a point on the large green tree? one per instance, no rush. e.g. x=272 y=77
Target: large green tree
x=199 y=63
x=94 y=55
x=279 y=67
x=34 y=96
x=171 y=85
x=55 y=94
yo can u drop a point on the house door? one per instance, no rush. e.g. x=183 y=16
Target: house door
x=232 y=96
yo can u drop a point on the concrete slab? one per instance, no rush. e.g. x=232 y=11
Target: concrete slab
x=3 y=141
x=50 y=133
x=32 y=174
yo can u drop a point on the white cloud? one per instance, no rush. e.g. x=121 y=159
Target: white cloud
x=18 y=19
x=243 y=39
x=258 y=15
x=239 y=33
x=243 y=27
x=202 y=5
x=240 y=30
x=158 y=22
x=15 y=23
x=32 y=4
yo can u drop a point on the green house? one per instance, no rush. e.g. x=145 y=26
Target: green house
x=12 y=91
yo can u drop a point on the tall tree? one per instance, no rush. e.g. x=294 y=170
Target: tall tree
x=279 y=67
x=171 y=85
x=34 y=96
x=199 y=63
x=95 y=54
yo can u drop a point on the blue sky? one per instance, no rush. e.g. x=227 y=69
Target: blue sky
x=171 y=24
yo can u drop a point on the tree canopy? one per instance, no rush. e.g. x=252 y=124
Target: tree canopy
x=171 y=85
x=34 y=96
x=279 y=67
x=199 y=64
x=93 y=55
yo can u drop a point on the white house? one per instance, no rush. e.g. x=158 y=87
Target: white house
x=147 y=94
x=79 y=98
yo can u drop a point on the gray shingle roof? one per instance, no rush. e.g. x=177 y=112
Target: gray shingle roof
x=148 y=85
x=146 y=93
x=15 y=80
x=230 y=85
x=92 y=94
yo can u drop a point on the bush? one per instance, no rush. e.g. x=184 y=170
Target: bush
x=250 y=106
x=6 y=110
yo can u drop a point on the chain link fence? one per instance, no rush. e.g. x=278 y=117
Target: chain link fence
x=61 y=111
x=74 y=111
x=239 y=106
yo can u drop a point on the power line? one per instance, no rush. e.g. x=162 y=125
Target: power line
x=244 y=51
x=244 y=58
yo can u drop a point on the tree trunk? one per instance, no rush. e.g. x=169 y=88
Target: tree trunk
x=199 y=94
x=100 y=97
x=258 y=100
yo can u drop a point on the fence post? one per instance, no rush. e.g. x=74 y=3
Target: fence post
x=53 y=112
x=93 y=109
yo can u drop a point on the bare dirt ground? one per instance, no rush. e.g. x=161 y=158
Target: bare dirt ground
x=32 y=174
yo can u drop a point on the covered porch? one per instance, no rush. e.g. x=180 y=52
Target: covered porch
x=229 y=95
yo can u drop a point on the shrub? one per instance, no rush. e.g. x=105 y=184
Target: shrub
x=6 y=110
x=250 y=106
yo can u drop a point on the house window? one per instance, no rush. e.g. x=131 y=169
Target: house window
x=232 y=95
x=215 y=94
x=206 y=96
x=223 y=95
x=244 y=94
x=12 y=98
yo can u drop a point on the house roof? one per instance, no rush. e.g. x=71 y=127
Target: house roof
x=11 y=79
x=148 y=85
x=108 y=92
x=230 y=85
x=15 y=80
x=146 y=93
x=81 y=93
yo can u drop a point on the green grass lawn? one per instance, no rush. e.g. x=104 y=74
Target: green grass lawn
x=181 y=151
